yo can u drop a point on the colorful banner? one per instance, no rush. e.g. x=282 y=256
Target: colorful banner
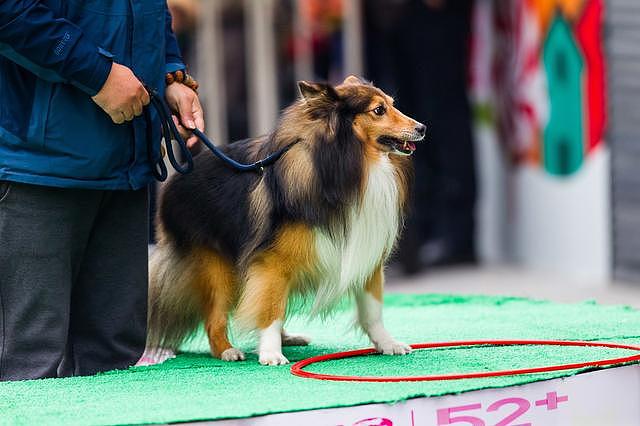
x=548 y=78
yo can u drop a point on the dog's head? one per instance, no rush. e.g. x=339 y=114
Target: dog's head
x=375 y=121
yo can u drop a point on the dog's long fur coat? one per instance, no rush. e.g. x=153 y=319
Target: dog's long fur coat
x=319 y=224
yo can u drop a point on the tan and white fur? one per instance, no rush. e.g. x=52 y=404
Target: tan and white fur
x=318 y=226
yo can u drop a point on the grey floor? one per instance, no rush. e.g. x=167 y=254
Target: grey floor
x=513 y=281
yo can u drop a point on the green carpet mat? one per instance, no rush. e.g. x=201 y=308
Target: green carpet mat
x=196 y=387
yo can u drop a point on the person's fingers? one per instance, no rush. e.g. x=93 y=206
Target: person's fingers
x=186 y=112
x=128 y=113
x=192 y=141
x=145 y=97
x=137 y=108
x=117 y=117
x=184 y=132
x=198 y=114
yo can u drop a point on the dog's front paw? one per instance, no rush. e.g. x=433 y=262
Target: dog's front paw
x=392 y=347
x=272 y=358
x=232 y=354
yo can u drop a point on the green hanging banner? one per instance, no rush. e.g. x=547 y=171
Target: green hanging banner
x=563 y=143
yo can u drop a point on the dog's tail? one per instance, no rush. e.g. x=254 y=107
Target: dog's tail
x=173 y=306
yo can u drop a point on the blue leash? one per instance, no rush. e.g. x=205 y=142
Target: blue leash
x=170 y=132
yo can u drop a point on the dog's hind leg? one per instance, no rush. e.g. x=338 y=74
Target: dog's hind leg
x=155 y=356
x=369 y=304
x=217 y=284
x=173 y=309
x=269 y=279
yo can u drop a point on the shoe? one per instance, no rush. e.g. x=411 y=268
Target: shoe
x=440 y=252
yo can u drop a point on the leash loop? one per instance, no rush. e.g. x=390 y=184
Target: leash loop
x=171 y=133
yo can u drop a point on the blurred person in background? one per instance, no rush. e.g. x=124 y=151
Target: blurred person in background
x=418 y=50
x=74 y=170
x=325 y=19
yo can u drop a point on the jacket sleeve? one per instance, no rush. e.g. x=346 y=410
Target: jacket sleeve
x=51 y=47
x=173 y=57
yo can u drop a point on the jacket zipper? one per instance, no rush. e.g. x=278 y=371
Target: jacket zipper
x=130 y=22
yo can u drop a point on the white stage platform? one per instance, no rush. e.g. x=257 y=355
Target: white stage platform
x=608 y=397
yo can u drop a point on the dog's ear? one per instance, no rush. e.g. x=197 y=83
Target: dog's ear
x=310 y=90
x=353 y=80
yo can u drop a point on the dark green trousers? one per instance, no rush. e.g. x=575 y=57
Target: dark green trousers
x=73 y=280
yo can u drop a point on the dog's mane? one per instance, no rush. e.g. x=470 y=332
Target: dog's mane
x=322 y=174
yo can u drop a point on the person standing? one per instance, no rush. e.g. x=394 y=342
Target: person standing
x=74 y=170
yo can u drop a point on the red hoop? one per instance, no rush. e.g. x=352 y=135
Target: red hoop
x=297 y=368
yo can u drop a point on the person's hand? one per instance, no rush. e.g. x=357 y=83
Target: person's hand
x=122 y=96
x=185 y=103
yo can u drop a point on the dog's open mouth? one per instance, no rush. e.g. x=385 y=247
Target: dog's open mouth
x=399 y=146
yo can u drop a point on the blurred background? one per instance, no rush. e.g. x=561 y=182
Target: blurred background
x=528 y=183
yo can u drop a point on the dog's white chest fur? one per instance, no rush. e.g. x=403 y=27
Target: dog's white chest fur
x=346 y=263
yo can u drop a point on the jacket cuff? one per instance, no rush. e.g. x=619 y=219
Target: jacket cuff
x=91 y=76
x=175 y=66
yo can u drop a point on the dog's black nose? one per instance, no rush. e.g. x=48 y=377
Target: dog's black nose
x=421 y=129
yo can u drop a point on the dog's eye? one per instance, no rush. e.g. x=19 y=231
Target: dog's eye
x=379 y=110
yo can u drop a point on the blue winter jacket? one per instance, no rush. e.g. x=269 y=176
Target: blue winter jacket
x=55 y=55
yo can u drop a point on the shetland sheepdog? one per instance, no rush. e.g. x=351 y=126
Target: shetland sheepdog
x=318 y=225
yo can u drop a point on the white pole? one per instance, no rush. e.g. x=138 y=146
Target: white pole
x=352 y=37
x=261 y=66
x=303 y=55
x=210 y=67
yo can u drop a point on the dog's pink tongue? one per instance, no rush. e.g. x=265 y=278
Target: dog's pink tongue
x=411 y=145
